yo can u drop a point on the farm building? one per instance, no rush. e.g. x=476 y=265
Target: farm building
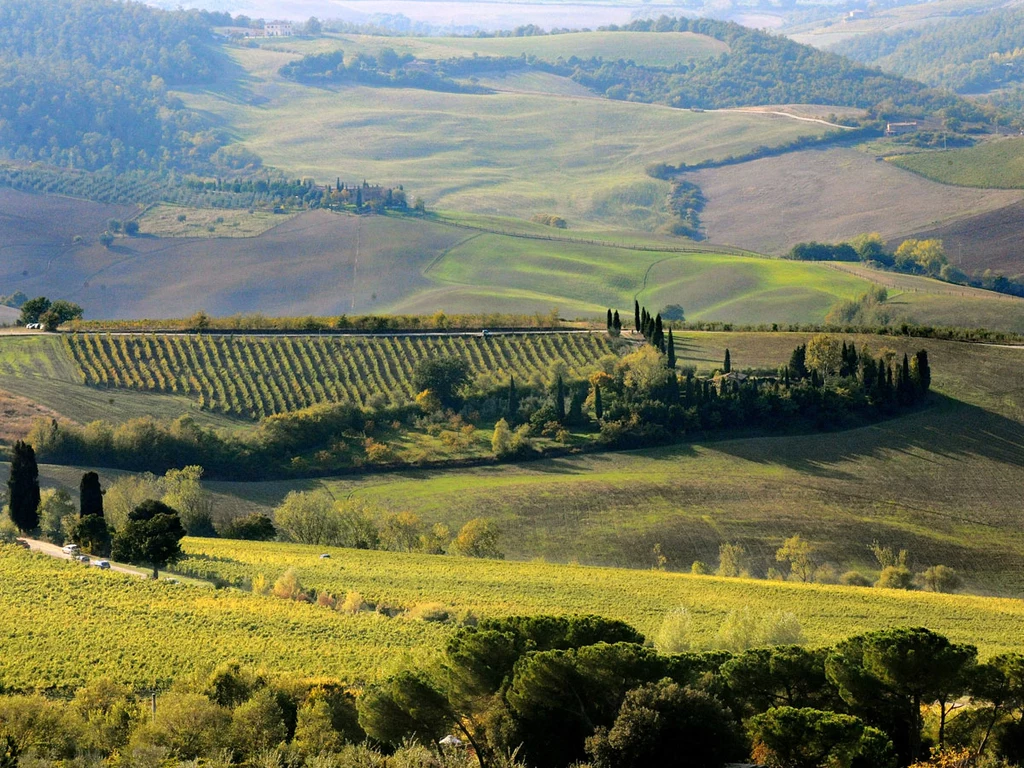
x=899 y=129
x=277 y=29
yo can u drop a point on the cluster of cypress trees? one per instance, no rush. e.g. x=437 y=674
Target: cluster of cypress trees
x=614 y=324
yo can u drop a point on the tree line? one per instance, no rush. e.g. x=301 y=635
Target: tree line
x=912 y=257
x=386 y=69
x=555 y=691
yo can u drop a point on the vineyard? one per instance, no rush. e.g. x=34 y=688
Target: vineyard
x=256 y=377
x=639 y=597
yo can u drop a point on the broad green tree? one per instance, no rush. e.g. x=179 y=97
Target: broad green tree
x=151 y=537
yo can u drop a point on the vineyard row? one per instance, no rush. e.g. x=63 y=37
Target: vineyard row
x=258 y=377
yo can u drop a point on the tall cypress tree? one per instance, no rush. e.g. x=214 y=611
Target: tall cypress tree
x=636 y=312
x=727 y=364
x=90 y=495
x=658 y=337
x=609 y=324
x=560 y=400
x=924 y=371
x=23 y=487
x=513 y=401
x=616 y=323
x=598 y=406
x=671 y=350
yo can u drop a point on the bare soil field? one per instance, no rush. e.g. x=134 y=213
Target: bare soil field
x=315 y=263
x=989 y=240
x=769 y=205
x=17 y=415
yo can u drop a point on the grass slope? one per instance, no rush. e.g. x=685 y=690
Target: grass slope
x=509 y=153
x=942 y=482
x=998 y=163
x=38 y=369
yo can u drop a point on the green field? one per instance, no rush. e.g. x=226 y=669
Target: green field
x=514 y=154
x=64 y=624
x=998 y=163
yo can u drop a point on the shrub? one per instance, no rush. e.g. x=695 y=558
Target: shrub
x=353 y=603
x=288 y=586
x=700 y=568
x=433 y=612
x=854 y=579
x=895 y=577
x=478 y=538
x=941 y=578
x=674 y=634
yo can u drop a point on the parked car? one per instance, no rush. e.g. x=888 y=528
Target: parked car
x=325 y=556
x=70 y=549
x=23 y=544
x=104 y=564
x=82 y=558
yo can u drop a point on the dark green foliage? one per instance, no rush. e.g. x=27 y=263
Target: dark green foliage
x=387 y=69
x=884 y=677
x=152 y=536
x=9 y=752
x=636 y=314
x=670 y=352
x=23 y=488
x=810 y=738
x=82 y=83
x=686 y=201
x=822 y=252
x=789 y=676
x=446 y=377
x=512 y=403
x=798 y=362
x=761 y=68
x=254 y=527
x=924 y=371
x=598 y=405
x=90 y=495
x=92 y=535
x=32 y=309
x=659 y=722
x=559 y=396
x=958 y=54
x=609 y=319
x=406 y=706
x=727 y=363
x=617 y=323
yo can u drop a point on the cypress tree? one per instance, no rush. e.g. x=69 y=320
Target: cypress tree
x=854 y=362
x=671 y=350
x=924 y=371
x=513 y=401
x=636 y=312
x=616 y=323
x=559 y=400
x=598 y=406
x=23 y=487
x=659 y=334
x=609 y=325
x=844 y=355
x=727 y=364
x=90 y=495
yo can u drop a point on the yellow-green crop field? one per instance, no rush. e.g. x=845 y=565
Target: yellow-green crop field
x=63 y=623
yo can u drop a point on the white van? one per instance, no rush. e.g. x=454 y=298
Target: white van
x=70 y=549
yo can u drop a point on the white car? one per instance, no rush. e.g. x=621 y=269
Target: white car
x=325 y=556
x=70 y=549
x=82 y=558
x=104 y=564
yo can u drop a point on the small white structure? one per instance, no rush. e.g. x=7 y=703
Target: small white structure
x=899 y=129
x=277 y=29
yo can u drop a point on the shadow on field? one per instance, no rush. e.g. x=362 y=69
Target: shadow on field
x=948 y=429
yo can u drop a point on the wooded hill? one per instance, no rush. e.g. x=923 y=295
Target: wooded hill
x=84 y=84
